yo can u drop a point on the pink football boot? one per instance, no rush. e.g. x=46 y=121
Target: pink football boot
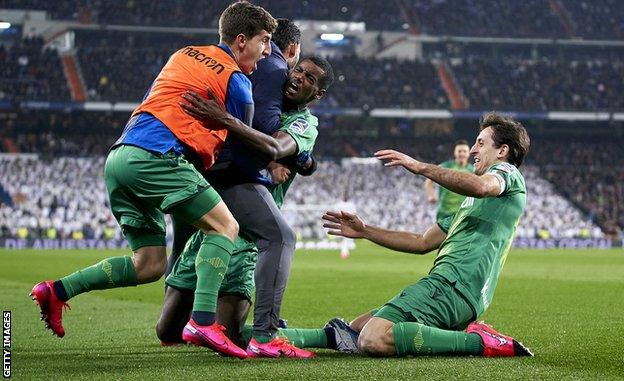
x=496 y=344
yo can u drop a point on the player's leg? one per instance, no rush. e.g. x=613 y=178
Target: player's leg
x=262 y=222
x=175 y=314
x=424 y=319
x=359 y=322
x=237 y=290
x=232 y=313
x=143 y=226
x=179 y=294
x=182 y=232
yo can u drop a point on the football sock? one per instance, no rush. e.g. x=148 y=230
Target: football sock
x=419 y=339
x=246 y=333
x=263 y=339
x=110 y=273
x=301 y=338
x=305 y=338
x=203 y=318
x=210 y=265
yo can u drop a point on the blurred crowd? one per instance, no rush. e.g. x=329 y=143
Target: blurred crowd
x=486 y=18
x=540 y=84
x=31 y=72
x=64 y=197
x=120 y=66
x=58 y=198
x=601 y=19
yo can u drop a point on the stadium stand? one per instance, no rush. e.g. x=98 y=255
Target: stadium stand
x=601 y=19
x=479 y=18
x=31 y=72
x=377 y=15
x=68 y=194
x=575 y=180
x=540 y=84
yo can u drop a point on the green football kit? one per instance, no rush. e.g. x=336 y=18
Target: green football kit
x=301 y=125
x=449 y=202
x=430 y=315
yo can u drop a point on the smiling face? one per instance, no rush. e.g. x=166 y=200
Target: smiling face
x=252 y=50
x=303 y=84
x=485 y=153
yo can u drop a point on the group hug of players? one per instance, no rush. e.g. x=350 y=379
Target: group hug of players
x=246 y=99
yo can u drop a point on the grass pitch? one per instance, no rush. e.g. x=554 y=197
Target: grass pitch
x=566 y=305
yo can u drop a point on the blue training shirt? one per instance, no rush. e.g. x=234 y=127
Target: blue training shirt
x=268 y=80
x=146 y=131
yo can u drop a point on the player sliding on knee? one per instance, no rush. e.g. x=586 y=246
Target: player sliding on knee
x=437 y=314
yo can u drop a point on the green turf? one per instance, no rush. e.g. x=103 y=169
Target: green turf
x=568 y=306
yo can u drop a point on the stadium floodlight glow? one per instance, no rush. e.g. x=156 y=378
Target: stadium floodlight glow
x=5 y=25
x=332 y=36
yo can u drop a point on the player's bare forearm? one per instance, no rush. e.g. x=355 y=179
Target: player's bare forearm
x=256 y=140
x=467 y=184
x=211 y=110
x=406 y=242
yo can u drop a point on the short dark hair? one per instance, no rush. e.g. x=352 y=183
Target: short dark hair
x=507 y=131
x=243 y=17
x=462 y=142
x=286 y=33
x=328 y=76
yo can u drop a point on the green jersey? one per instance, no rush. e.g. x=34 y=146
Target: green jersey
x=449 y=202
x=479 y=237
x=302 y=126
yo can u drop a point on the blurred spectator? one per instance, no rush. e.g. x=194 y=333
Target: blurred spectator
x=488 y=18
x=30 y=72
x=540 y=84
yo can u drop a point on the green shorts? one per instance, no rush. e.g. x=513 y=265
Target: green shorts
x=143 y=186
x=432 y=301
x=239 y=277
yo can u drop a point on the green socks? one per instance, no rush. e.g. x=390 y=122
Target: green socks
x=419 y=339
x=299 y=337
x=247 y=334
x=305 y=338
x=210 y=265
x=110 y=273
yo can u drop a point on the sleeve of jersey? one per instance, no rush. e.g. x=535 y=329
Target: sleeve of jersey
x=268 y=91
x=303 y=132
x=445 y=223
x=239 y=101
x=503 y=173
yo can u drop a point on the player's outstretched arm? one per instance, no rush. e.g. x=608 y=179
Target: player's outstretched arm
x=352 y=226
x=467 y=184
x=211 y=110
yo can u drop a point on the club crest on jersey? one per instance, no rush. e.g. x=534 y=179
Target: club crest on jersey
x=468 y=202
x=300 y=126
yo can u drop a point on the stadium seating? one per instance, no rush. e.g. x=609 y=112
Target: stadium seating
x=483 y=18
x=31 y=72
x=488 y=18
x=68 y=194
x=540 y=84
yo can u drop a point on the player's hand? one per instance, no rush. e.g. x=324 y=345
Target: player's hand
x=344 y=224
x=203 y=109
x=397 y=159
x=433 y=199
x=279 y=173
